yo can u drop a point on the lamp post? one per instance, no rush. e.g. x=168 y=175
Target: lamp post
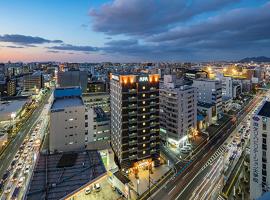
x=13 y=115
x=138 y=182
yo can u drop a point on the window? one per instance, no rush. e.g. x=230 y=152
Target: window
x=143 y=138
x=86 y=124
x=143 y=123
x=143 y=95
x=143 y=116
x=143 y=102
x=143 y=109
x=143 y=87
x=143 y=145
x=86 y=117
x=143 y=131
x=143 y=152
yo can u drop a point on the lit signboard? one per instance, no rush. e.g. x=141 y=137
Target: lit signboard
x=255 y=144
x=115 y=77
x=143 y=79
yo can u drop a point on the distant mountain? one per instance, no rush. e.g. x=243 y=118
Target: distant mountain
x=256 y=59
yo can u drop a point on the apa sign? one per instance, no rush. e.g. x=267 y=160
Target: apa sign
x=143 y=79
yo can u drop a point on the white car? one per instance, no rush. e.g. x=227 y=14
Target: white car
x=97 y=187
x=87 y=190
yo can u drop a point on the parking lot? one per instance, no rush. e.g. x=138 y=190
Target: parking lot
x=105 y=192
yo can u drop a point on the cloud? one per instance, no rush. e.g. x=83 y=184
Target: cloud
x=52 y=51
x=234 y=33
x=140 y=17
x=24 y=40
x=14 y=47
x=69 y=47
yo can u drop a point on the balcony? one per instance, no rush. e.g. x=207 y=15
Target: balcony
x=132 y=157
x=132 y=128
x=132 y=150
x=132 y=98
x=132 y=142
x=132 y=106
x=133 y=113
x=132 y=135
x=132 y=90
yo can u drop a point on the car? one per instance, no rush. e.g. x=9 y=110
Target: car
x=8 y=189
x=188 y=145
x=5 y=176
x=21 y=180
x=184 y=151
x=13 y=163
x=87 y=190
x=97 y=187
x=19 y=165
x=26 y=170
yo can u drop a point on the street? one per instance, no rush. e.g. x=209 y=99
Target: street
x=17 y=161
x=177 y=187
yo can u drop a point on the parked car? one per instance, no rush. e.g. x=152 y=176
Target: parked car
x=97 y=187
x=87 y=190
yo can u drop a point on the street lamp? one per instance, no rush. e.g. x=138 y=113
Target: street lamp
x=138 y=182
x=13 y=115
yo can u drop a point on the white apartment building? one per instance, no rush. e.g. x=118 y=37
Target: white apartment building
x=230 y=87
x=67 y=121
x=178 y=111
x=260 y=152
x=210 y=91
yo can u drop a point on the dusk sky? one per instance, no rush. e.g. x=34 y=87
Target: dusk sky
x=133 y=30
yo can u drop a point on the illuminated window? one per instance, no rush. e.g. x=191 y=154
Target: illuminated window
x=143 y=145
x=143 y=131
x=144 y=123
x=143 y=116
x=143 y=87
x=143 y=109
x=143 y=102
x=143 y=138
x=143 y=95
x=143 y=152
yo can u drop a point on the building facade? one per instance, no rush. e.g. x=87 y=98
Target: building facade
x=210 y=91
x=33 y=81
x=178 y=111
x=135 y=118
x=97 y=127
x=73 y=78
x=67 y=121
x=260 y=152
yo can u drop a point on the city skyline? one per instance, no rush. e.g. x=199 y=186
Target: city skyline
x=135 y=30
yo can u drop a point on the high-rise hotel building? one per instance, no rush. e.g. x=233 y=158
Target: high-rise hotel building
x=260 y=152
x=135 y=118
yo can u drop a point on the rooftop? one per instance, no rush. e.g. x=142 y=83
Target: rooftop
x=7 y=107
x=67 y=92
x=265 y=109
x=62 y=178
x=66 y=102
x=121 y=177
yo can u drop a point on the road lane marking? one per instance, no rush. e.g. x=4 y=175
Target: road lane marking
x=172 y=189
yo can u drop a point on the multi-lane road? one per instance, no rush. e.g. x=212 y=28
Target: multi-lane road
x=7 y=156
x=180 y=186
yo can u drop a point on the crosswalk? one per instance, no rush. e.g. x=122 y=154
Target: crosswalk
x=220 y=151
x=220 y=197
